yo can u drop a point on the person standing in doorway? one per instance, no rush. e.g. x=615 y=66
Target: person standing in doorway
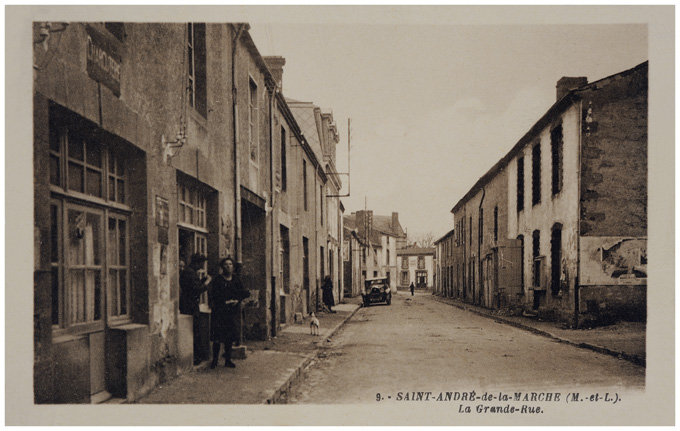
x=225 y=296
x=192 y=285
x=327 y=289
x=413 y=288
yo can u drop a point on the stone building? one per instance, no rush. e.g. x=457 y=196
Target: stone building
x=444 y=265
x=558 y=226
x=416 y=265
x=153 y=142
x=322 y=137
x=374 y=239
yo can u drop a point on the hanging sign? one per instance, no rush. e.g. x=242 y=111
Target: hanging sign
x=103 y=59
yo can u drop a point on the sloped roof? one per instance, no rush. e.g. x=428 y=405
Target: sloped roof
x=556 y=109
x=415 y=251
x=384 y=225
x=305 y=115
x=443 y=237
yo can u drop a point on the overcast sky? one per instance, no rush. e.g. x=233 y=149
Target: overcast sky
x=434 y=102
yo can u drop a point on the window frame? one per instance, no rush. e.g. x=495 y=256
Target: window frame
x=253 y=122
x=536 y=174
x=557 y=158
x=63 y=199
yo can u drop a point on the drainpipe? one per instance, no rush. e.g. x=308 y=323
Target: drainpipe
x=480 y=235
x=237 y=178
x=271 y=92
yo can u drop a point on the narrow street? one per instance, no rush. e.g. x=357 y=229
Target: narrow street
x=418 y=344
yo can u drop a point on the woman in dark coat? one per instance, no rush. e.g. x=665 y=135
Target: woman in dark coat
x=327 y=297
x=225 y=296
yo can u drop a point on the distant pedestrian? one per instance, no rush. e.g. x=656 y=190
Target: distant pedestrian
x=327 y=297
x=192 y=285
x=225 y=296
x=413 y=288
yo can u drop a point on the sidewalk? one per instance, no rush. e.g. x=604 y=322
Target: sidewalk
x=624 y=340
x=272 y=367
x=265 y=376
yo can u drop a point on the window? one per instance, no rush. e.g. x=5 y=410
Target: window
x=118 y=265
x=470 y=230
x=387 y=257
x=404 y=278
x=556 y=146
x=192 y=206
x=192 y=201
x=284 y=172
x=345 y=251
x=536 y=174
x=537 y=261
x=521 y=266
x=421 y=262
x=321 y=207
x=285 y=259
x=404 y=262
x=520 y=184
x=253 y=138
x=89 y=226
x=196 y=68
x=481 y=226
x=495 y=224
x=304 y=182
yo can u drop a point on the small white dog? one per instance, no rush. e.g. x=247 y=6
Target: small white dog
x=313 y=324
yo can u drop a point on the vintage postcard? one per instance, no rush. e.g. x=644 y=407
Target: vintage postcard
x=340 y=215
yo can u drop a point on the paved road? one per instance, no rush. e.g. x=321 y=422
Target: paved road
x=420 y=345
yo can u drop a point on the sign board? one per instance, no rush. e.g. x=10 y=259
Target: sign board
x=103 y=58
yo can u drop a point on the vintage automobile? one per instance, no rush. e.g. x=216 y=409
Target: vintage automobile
x=376 y=290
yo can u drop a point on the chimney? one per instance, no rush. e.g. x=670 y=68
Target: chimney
x=395 y=221
x=275 y=65
x=567 y=83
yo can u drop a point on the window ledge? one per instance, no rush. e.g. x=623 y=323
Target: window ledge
x=67 y=338
x=129 y=326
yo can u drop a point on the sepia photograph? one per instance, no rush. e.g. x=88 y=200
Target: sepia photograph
x=326 y=215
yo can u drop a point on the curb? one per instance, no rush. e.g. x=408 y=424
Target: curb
x=637 y=360
x=281 y=394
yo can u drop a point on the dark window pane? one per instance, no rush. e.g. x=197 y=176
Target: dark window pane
x=123 y=291
x=120 y=166
x=121 y=191
x=113 y=288
x=112 y=242
x=94 y=183
x=112 y=188
x=97 y=296
x=123 y=241
x=75 y=145
x=94 y=221
x=55 y=138
x=54 y=233
x=55 y=170
x=94 y=155
x=75 y=177
x=55 y=296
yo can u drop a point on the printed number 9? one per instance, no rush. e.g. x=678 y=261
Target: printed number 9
x=378 y=397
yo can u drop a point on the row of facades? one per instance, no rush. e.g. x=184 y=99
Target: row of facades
x=376 y=246
x=558 y=227
x=153 y=142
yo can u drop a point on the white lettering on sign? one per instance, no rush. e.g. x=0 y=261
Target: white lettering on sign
x=102 y=59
